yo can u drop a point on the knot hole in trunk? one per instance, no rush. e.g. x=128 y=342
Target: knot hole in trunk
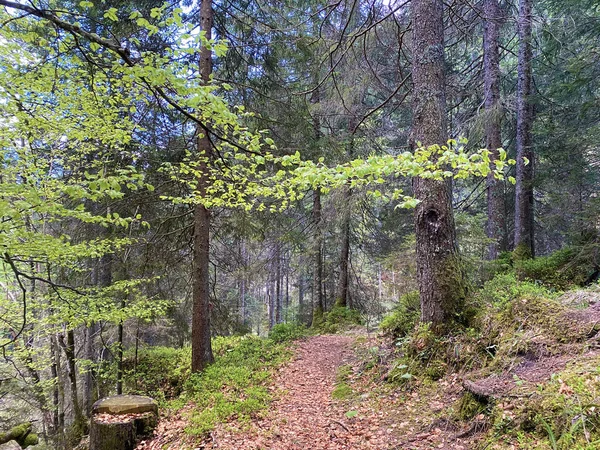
x=432 y=218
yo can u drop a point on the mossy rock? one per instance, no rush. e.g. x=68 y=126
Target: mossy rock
x=21 y=434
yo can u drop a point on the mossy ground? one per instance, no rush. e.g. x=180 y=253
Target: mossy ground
x=529 y=353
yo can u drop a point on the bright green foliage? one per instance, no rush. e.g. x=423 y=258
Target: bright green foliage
x=236 y=384
x=247 y=180
x=285 y=332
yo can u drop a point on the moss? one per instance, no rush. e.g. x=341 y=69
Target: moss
x=31 y=439
x=342 y=391
x=521 y=252
x=561 y=413
x=470 y=406
x=435 y=369
x=403 y=317
x=454 y=283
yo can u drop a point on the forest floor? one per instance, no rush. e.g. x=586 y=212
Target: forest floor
x=333 y=394
x=305 y=415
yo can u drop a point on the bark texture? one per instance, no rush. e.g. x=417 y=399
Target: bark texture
x=524 y=236
x=201 y=346
x=318 y=303
x=341 y=298
x=496 y=218
x=438 y=269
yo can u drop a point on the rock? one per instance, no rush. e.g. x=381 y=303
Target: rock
x=118 y=422
x=125 y=404
x=10 y=445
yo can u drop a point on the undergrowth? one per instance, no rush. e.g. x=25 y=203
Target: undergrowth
x=235 y=386
x=520 y=317
x=337 y=319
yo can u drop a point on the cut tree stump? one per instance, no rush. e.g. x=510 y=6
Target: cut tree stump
x=118 y=422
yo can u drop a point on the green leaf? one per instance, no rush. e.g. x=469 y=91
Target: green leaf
x=351 y=414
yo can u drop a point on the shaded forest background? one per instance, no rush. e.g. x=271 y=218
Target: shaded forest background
x=100 y=209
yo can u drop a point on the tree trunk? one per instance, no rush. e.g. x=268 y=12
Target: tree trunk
x=278 y=291
x=439 y=273
x=524 y=247
x=79 y=422
x=341 y=298
x=120 y=354
x=318 y=306
x=496 y=221
x=201 y=346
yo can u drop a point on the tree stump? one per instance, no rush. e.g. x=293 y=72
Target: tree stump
x=118 y=422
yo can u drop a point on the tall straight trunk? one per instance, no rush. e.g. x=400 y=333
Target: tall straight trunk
x=278 y=291
x=496 y=220
x=58 y=418
x=202 y=354
x=341 y=298
x=120 y=353
x=287 y=287
x=271 y=300
x=318 y=305
x=524 y=173
x=243 y=252
x=79 y=422
x=439 y=273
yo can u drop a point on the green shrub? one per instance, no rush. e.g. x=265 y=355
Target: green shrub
x=559 y=270
x=338 y=318
x=285 y=332
x=160 y=372
x=403 y=317
x=505 y=288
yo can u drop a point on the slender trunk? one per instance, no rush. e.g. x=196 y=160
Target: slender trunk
x=120 y=354
x=243 y=283
x=524 y=242
x=58 y=419
x=343 y=281
x=88 y=379
x=439 y=273
x=278 y=293
x=318 y=306
x=287 y=287
x=495 y=227
x=303 y=309
x=271 y=300
x=201 y=345
x=79 y=422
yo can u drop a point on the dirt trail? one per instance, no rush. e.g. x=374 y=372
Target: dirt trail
x=304 y=416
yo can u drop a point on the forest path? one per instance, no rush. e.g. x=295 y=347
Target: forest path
x=304 y=414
